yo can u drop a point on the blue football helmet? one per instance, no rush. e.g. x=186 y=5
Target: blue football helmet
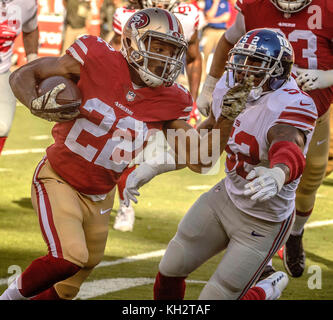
x=291 y=6
x=265 y=53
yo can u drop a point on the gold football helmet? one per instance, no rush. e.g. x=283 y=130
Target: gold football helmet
x=143 y=27
x=291 y=6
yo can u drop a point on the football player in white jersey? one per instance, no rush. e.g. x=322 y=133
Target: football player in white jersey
x=15 y=16
x=249 y=214
x=188 y=15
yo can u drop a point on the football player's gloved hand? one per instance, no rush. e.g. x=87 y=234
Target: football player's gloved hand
x=308 y=79
x=235 y=99
x=47 y=108
x=267 y=183
x=136 y=179
x=205 y=98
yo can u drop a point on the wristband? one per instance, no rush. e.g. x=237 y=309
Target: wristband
x=289 y=154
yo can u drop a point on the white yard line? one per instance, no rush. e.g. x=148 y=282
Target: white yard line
x=97 y=288
x=316 y=224
x=160 y=253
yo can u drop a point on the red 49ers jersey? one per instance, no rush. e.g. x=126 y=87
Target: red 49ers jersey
x=248 y=146
x=91 y=151
x=310 y=31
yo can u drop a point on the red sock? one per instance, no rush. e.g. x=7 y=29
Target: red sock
x=122 y=181
x=2 y=143
x=169 y=288
x=49 y=294
x=254 y=293
x=43 y=273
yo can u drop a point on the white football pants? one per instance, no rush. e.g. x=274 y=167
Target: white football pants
x=214 y=224
x=7 y=104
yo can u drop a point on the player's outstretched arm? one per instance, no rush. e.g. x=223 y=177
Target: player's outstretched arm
x=24 y=80
x=216 y=70
x=287 y=163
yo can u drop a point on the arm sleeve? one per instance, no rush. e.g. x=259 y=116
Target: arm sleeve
x=31 y=24
x=237 y=30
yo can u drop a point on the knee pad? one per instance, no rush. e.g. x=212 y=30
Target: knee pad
x=173 y=263
x=66 y=291
x=76 y=253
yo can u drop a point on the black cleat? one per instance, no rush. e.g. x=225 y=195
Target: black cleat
x=294 y=256
x=268 y=271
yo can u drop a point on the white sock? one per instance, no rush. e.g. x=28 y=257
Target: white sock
x=12 y=292
x=299 y=224
x=270 y=263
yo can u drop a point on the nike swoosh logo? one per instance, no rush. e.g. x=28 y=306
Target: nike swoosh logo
x=105 y=211
x=253 y=233
x=320 y=142
x=304 y=104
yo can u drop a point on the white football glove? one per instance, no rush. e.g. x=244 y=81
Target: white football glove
x=308 y=79
x=47 y=108
x=205 y=98
x=268 y=183
x=136 y=179
x=235 y=99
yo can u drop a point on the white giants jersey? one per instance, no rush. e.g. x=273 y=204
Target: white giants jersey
x=187 y=14
x=248 y=146
x=15 y=16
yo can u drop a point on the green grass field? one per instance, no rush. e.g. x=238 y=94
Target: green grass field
x=162 y=204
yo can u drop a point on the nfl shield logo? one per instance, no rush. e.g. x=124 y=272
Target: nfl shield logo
x=130 y=96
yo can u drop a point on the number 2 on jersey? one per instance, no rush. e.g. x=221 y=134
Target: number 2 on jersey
x=114 y=145
x=238 y=160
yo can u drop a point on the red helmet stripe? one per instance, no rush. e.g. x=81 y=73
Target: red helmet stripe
x=170 y=20
x=249 y=40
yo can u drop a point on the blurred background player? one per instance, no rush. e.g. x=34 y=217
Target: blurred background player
x=309 y=27
x=188 y=15
x=217 y=14
x=107 y=11
x=15 y=16
x=75 y=23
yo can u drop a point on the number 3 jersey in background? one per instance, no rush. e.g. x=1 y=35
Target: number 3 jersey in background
x=92 y=151
x=310 y=32
x=248 y=145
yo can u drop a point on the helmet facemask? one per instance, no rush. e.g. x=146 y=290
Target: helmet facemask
x=289 y=6
x=245 y=62
x=142 y=59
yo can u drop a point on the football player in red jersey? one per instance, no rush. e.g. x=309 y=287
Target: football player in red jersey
x=125 y=96
x=309 y=27
x=188 y=16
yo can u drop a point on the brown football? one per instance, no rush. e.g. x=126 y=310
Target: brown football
x=69 y=95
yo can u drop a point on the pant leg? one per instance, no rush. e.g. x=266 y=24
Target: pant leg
x=329 y=167
x=246 y=254
x=199 y=237
x=316 y=162
x=72 y=225
x=7 y=104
